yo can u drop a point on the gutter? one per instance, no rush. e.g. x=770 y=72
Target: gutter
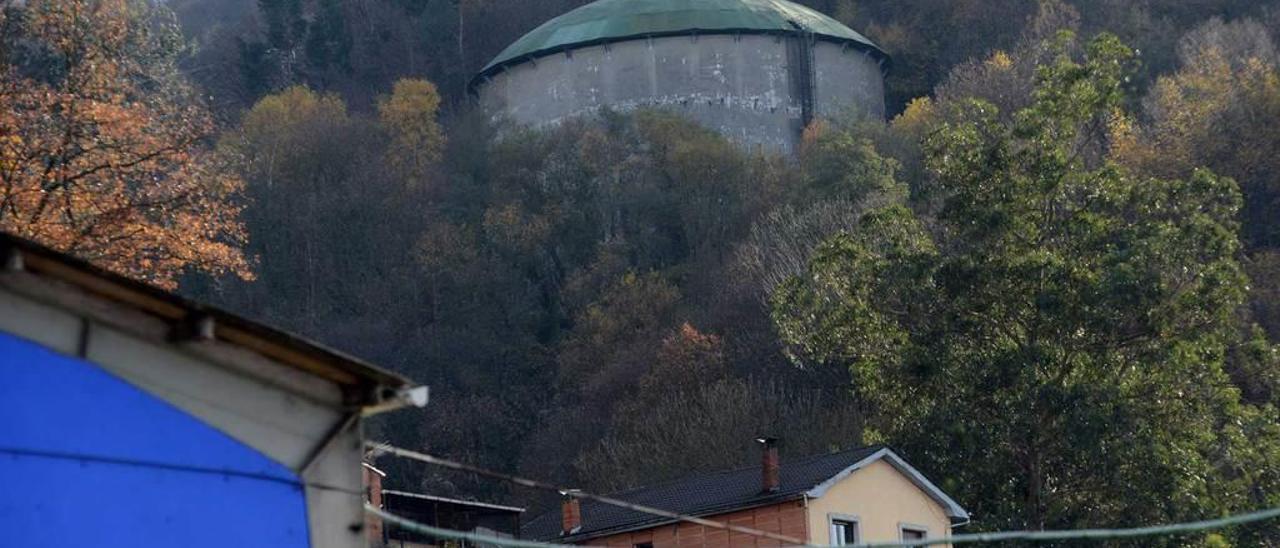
x=366 y=387
x=413 y=396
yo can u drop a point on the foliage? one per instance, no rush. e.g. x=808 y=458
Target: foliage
x=1001 y=267
x=1048 y=324
x=101 y=143
x=840 y=164
x=1228 y=85
x=704 y=427
x=1217 y=111
x=416 y=139
x=314 y=177
x=564 y=266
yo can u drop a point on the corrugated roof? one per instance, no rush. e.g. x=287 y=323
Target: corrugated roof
x=617 y=20
x=700 y=495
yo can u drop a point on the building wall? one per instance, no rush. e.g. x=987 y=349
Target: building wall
x=787 y=518
x=91 y=460
x=847 y=81
x=297 y=420
x=881 y=499
x=739 y=85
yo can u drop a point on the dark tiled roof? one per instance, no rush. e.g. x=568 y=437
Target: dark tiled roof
x=700 y=495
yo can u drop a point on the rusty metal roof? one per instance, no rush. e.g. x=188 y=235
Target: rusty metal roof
x=607 y=21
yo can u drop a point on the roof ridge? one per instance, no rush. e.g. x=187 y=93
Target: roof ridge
x=609 y=21
x=713 y=490
x=782 y=463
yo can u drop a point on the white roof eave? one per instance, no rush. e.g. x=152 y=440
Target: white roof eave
x=953 y=509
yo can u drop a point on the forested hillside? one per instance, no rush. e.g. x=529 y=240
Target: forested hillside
x=1052 y=278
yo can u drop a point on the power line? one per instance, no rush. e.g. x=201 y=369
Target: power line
x=450 y=534
x=1091 y=534
x=446 y=463
x=1078 y=534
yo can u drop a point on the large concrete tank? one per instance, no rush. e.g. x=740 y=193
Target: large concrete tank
x=757 y=71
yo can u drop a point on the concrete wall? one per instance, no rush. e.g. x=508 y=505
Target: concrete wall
x=880 y=500
x=737 y=85
x=847 y=79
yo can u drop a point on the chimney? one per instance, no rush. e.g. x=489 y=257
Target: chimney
x=768 y=464
x=570 y=512
x=373 y=495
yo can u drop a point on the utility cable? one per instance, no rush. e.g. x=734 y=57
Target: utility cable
x=1003 y=536
x=446 y=463
x=450 y=534
x=1090 y=534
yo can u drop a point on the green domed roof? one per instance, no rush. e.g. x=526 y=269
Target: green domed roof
x=617 y=20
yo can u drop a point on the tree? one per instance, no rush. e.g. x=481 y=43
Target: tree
x=102 y=151
x=713 y=426
x=328 y=221
x=1215 y=111
x=688 y=413
x=409 y=116
x=295 y=150
x=839 y=164
x=612 y=345
x=1066 y=322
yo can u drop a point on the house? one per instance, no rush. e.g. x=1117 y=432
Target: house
x=130 y=416
x=481 y=518
x=867 y=494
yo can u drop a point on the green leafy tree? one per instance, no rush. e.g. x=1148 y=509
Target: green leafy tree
x=1218 y=110
x=838 y=163
x=1052 y=346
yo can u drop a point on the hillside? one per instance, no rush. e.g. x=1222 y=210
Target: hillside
x=1052 y=277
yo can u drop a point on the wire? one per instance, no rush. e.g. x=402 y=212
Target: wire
x=454 y=535
x=1078 y=534
x=425 y=458
x=1090 y=534
x=86 y=458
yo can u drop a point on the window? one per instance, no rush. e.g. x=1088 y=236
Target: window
x=912 y=532
x=844 y=531
x=644 y=545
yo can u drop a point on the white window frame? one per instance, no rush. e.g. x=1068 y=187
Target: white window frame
x=903 y=527
x=831 y=527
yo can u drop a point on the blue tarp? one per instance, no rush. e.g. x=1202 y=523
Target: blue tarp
x=87 y=459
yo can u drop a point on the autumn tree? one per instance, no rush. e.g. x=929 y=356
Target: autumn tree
x=1066 y=322
x=327 y=219
x=409 y=116
x=555 y=264
x=103 y=145
x=1217 y=110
